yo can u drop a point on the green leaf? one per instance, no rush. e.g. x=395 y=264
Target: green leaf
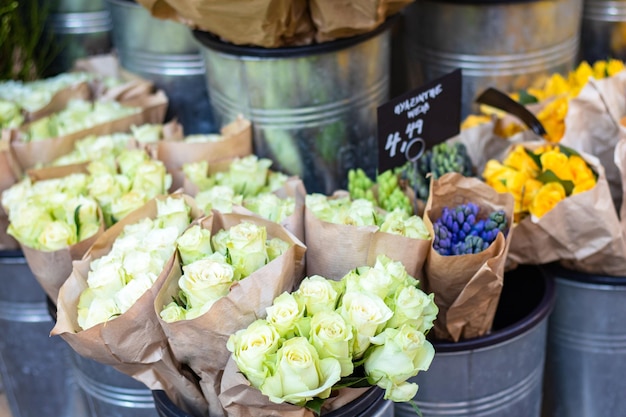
x=416 y=408
x=567 y=151
x=526 y=98
x=77 y=219
x=536 y=158
x=549 y=176
x=315 y=405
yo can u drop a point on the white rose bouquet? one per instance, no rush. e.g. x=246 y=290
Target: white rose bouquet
x=247 y=185
x=229 y=268
x=105 y=309
x=54 y=222
x=343 y=233
x=368 y=328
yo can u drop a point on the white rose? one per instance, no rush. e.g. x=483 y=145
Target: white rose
x=285 y=314
x=151 y=178
x=130 y=159
x=126 y=204
x=319 y=294
x=219 y=197
x=172 y=312
x=133 y=290
x=332 y=338
x=99 y=311
x=412 y=306
x=367 y=313
x=107 y=275
x=173 y=212
x=194 y=244
x=206 y=280
x=57 y=235
x=246 y=247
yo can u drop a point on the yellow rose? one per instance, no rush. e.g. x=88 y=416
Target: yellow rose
x=474 y=120
x=521 y=161
x=614 y=66
x=582 y=174
x=548 y=196
x=515 y=185
x=531 y=187
x=496 y=175
x=555 y=86
x=579 y=77
x=552 y=116
x=558 y=163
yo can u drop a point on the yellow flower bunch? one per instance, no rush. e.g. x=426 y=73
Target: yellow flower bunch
x=539 y=179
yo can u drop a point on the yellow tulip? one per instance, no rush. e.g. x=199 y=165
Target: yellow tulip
x=547 y=197
x=558 y=163
x=519 y=159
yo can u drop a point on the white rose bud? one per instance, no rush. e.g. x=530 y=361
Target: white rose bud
x=57 y=235
x=285 y=314
x=412 y=306
x=198 y=174
x=276 y=247
x=27 y=223
x=194 y=244
x=173 y=212
x=206 y=280
x=106 y=275
x=219 y=197
x=172 y=312
x=126 y=204
x=332 y=337
x=396 y=356
x=246 y=244
x=130 y=159
x=151 y=178
x=360 y=213
x=99 y=311
x=300 y=375
x=248 y=175
x=319 y=294
x=252 y=347
x=147 y=133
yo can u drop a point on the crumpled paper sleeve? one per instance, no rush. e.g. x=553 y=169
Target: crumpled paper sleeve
x=582 y=231
x=335 y=249
x=133 y=342
x=35 y=153
x=592 y=125
x=241 y=399
x=200 y=343
x=266 y=23
x=467 y=288
x=10 y=174
x=60 y=99
x=237 y=143
x=340 y=19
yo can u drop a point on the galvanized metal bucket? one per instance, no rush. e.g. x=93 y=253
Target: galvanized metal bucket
x=313 y=108
x=166 y=53
x=603 y=30
x=586 y=357
x=81 y=28
x=35 y=373
x=370 y=404
x=500 y=374
x=507 y=45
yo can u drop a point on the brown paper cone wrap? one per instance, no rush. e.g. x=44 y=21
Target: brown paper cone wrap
x=592 y=125
x=60 y=100
x=133 y=343
x=33 y=154
x=241 y=399
x=467 y=288
x=334 y=20
x=237 y=143
x=582 y=231
x=200 y=343
x=335 y=249
x=266 y=23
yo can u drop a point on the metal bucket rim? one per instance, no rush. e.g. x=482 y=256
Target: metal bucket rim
x=214 y=43
x=353 y=408
x=129 y=3
x=557 y=270
x=537 y=315
x=11 y=253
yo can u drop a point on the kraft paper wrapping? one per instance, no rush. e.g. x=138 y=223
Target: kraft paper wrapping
x=266 y=23
x=335 y=249
x=237 y=143
x=59 y=100
x=31 y=154
x=133 y=342
x=467 y=288
x=200 y=343
x=10 y=174
x=241 y=399
x=592 y=125
x=582 y=231
x=336 y=19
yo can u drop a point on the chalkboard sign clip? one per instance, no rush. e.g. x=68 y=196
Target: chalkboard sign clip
x=500 y=100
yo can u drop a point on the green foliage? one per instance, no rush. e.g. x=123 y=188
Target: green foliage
x=25 y=45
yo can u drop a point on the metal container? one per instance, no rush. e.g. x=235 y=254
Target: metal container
x=35 y=373
x=508 y=45
x=500 y=374
x=110 y=393
x=166 y=53
x=370 y=404
x=586 y=357
x=80 y=29
x=313 y=108
x=603 y=30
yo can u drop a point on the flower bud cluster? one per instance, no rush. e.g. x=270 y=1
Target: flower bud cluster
x=460 y=231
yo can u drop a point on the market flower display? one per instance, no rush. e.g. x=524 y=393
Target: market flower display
x=539 y=179
x=328 y=332
x=387 y=191
x=137 y=257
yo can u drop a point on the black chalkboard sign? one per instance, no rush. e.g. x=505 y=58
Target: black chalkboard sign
x=417 y=120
